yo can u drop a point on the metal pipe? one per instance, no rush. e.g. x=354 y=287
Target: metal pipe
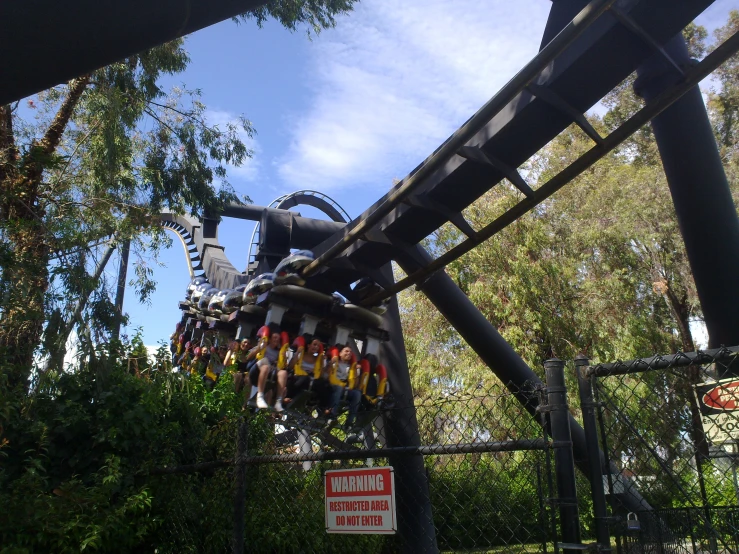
x=564 y=461
x=249 y=212
x=693 y=76
x=681 y=359
x=700 y=192
x=427 y=450
x=464 y=134
x=595 y=464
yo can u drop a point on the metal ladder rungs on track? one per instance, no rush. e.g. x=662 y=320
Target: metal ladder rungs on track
x=475 y=154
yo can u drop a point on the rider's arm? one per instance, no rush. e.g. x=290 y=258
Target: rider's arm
x=295 y=357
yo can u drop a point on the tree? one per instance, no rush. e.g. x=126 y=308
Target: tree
x=109 y=151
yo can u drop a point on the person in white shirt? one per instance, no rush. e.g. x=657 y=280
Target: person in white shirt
x=307 y=367
x=266 y=365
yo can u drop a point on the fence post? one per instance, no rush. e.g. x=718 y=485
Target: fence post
x=564 y=461
x=595 y=464
x=242 y=443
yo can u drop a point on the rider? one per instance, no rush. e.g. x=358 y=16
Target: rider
x=238 y=359
x=174 y=342
x=343 y=380
x=215 y=366
x=267 y=362
x=307 y=366
x=196 y=362
x=185 y=357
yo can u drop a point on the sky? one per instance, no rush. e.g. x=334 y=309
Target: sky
x=347 y=111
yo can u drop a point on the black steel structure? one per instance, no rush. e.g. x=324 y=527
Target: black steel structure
x=700 y=191
x=599 y=40
x=587 y=50
x=51 y=42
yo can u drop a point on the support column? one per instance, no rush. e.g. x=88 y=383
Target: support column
x=700 y=193
x=415 y=518
x=564 y=462
x=498 y=355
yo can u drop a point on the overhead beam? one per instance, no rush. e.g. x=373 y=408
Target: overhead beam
x=47 y=42
x=594 y=64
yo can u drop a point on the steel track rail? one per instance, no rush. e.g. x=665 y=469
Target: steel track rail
x=692 y=77
x=464 y=134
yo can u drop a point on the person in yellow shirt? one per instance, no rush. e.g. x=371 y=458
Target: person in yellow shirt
x=344 y=383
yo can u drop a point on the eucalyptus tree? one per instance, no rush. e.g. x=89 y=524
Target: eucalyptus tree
x=106 y=152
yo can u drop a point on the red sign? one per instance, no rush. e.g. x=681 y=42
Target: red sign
x=719 y=405
x=723 y=397
x=360 y=500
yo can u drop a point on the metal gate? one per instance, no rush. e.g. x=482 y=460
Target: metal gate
x=668 y=428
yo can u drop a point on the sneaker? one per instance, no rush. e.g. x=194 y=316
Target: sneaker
x=261 y=402
x=355 y=437
x=278 y=406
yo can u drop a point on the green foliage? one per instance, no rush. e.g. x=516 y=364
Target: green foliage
x=315 y=14
x=77 y=455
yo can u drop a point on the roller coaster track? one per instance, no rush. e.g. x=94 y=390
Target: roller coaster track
x=313 y=198
x=204 y=255
x=605 y=43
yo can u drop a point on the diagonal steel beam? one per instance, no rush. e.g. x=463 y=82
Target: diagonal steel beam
x=464 y=134
x=693 y=76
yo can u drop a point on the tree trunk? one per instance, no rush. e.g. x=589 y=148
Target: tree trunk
x=680 y=311
x=23 y=317
x=22 y=217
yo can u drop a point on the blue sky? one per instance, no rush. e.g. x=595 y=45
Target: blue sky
x=350 y=110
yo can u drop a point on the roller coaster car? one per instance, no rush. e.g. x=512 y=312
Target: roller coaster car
x=205 y=298
x=215 y=306
x=196 y=281
x=288 y=270
x=365 y=288
x=259 y=285
x=198 y=293
x=233 y=300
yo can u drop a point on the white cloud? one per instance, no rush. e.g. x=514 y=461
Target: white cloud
x=395 y=79
x=249 y=170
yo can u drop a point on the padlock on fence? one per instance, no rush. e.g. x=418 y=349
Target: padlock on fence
x=632 y=522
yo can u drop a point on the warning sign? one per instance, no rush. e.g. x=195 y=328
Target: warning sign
x=360 y=501
x=719 y=405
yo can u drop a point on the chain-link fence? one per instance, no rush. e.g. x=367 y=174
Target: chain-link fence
x=668 y=428
x=484 y=470
x=471 y=470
